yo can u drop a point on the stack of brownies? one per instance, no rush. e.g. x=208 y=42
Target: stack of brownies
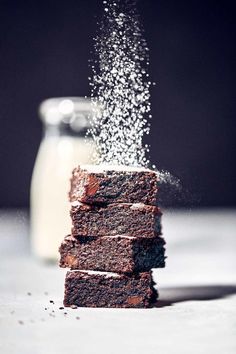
x=115 y=239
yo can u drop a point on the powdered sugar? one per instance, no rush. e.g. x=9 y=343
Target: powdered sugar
x=120 y=87
x=120 y=90
x=105 y=167
x=95 y=272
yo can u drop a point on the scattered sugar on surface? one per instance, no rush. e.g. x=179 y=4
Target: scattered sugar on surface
x=120 y=87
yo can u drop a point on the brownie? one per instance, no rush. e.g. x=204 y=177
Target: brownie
x=101 y=289
x=115 y=254
x=98 y=184
x=138 y=219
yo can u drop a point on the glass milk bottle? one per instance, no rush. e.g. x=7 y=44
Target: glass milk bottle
x=63 y=147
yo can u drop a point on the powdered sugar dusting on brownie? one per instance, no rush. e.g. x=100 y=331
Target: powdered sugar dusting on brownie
x=95 y=272
x=120 y=87
x=120 y=236
x=138 y=206
x=76 y=203
x=119 y=168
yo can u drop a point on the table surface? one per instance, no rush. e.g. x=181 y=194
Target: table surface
x=197 y=307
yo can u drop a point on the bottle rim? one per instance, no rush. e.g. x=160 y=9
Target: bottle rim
x=53 y=111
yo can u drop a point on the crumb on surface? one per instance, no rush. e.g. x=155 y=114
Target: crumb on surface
x=74 y=307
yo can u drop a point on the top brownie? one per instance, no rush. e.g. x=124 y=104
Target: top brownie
x=113 y=184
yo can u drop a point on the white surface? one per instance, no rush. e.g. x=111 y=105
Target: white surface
x=197 y=312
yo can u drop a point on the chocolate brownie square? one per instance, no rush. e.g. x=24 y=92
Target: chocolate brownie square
x=116 y=254
x=137 y=219
x=101 y=289
x=120 y=184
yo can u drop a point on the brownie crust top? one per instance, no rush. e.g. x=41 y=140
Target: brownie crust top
x=121 y=185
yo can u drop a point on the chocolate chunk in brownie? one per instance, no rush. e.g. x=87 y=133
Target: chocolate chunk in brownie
x=116 y=254
x=99 y=184
x=101 y=289
x=138 y=219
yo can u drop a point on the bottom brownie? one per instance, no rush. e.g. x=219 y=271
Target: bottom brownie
x=103 y=289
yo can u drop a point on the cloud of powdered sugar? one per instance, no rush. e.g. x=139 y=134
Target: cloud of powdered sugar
x=120 y=87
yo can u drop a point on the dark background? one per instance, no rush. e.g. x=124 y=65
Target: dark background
x=44 y=52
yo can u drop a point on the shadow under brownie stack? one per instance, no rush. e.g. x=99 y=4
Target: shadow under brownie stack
x=115 y=239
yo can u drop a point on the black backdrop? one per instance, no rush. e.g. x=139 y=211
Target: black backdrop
x=44 y=52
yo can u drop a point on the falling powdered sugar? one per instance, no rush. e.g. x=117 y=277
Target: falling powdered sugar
x=120 y=87
x=120 y=91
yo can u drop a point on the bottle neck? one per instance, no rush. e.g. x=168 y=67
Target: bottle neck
x=62 y=129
